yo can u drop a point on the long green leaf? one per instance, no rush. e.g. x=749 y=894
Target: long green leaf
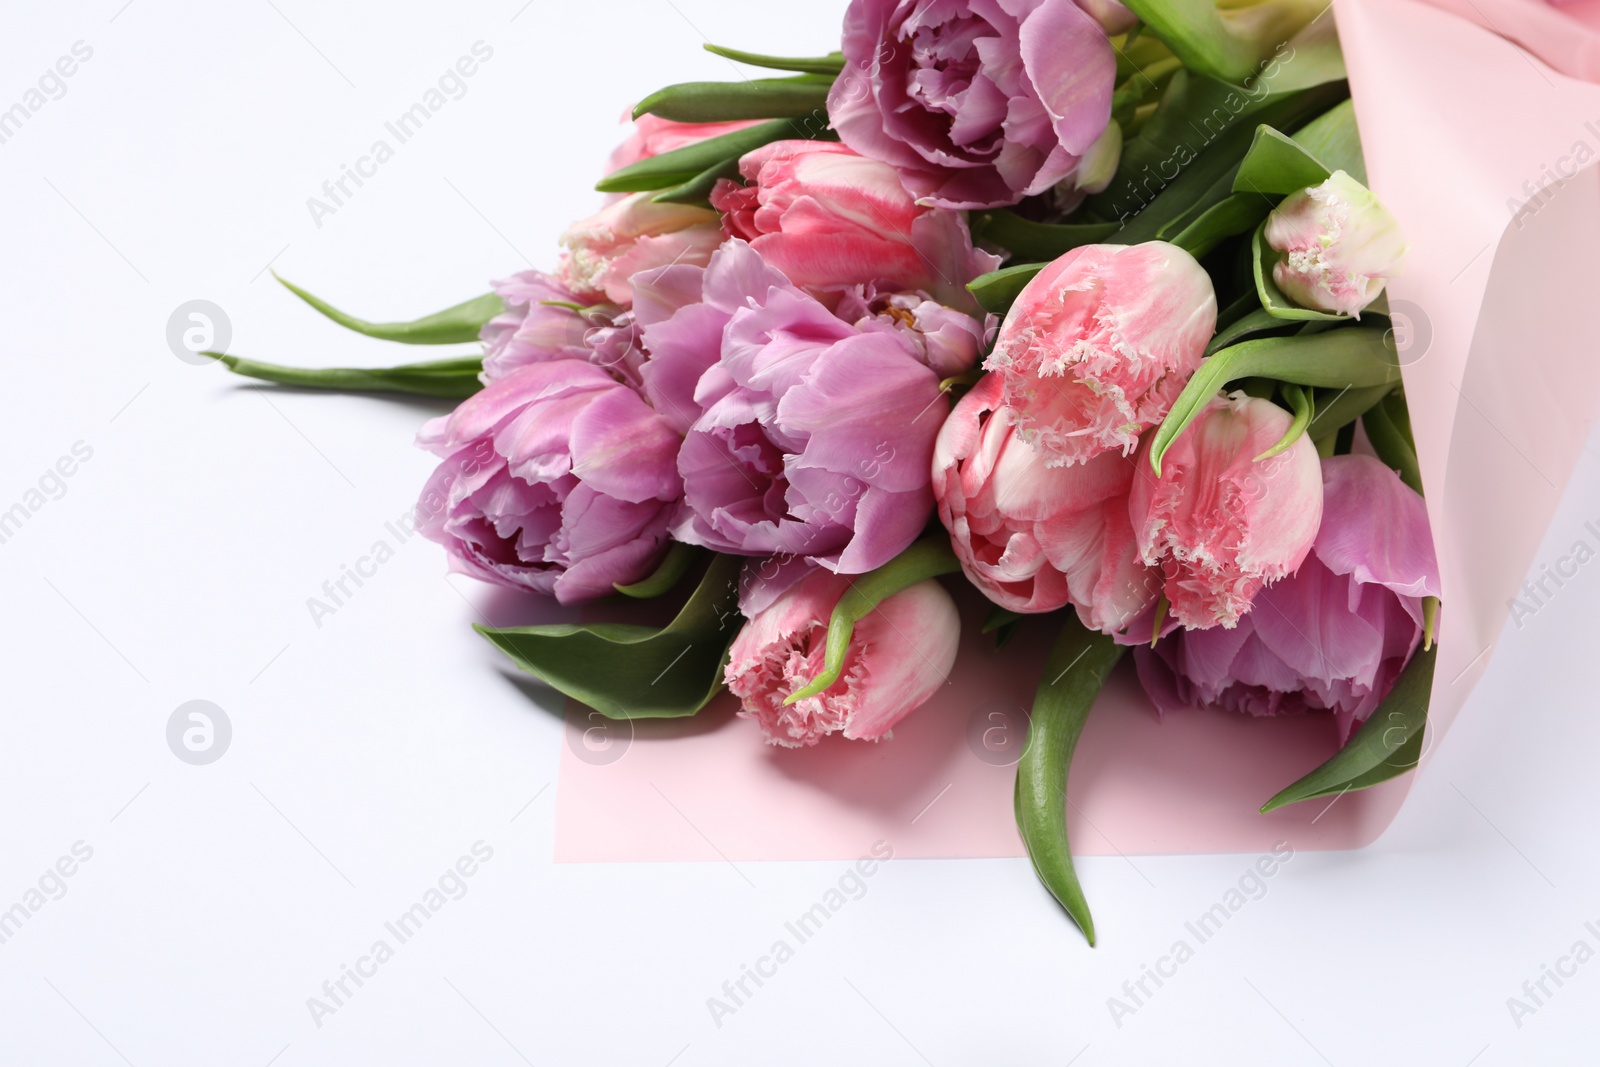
x=453 y=378
x=1381 y=746
x=1358 y=357
x=1300 y=401
x=693 y=160
x=1333 y=139
x=996 y=290
x=832 y=63
x=450 y=326
x=1239 y=213
x=1073 y=675
x=625 y=671
x=925 y=559
x=679 y=558
x=1390 y=441
x=1209 y=39
x=761 y=98
x=1336 y=407
x=1277 y=164
x=1037 y=242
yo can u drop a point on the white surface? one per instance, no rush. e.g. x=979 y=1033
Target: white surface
x=372 y=752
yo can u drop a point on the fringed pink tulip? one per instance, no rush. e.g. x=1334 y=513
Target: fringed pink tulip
x=630 y=235
x=1339 y=245
x=556 y=478
x=1033 y=537
x=900 y=654
x=829 y=218
x=1100 y=343
x=1220 y=523
x=1332 y=637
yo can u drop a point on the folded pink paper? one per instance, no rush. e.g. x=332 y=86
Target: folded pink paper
x=1495 y=324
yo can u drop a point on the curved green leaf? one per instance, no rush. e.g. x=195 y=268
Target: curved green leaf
x=1358 y=357
x=1382 y=748
x=1225 y=44
x=674 y=565
x=832 y=63
x=1239 y=213
x=1073 y=675
x=692 y=161
x=450 y=326
x=1343 y=406
x=761 y=98
x=1037 y=242
x=1277 y=164
x=996 y=290
x=1333 y=140
x=927 y=558
x=1257 y=321
x=453 y=378
x=625 y=671
x=1301 y=403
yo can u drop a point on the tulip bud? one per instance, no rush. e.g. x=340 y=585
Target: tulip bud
x=1032 y=537
x=1100 y=343
x=899 y=656
x=1221 y=523
x=630 y=235
x=1099 y=164
x=1339 y=245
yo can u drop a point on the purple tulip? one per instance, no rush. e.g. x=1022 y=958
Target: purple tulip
x=542 y=322
x=1332 y=637
x=978 y=102
x=804 y=435
x=556 y=478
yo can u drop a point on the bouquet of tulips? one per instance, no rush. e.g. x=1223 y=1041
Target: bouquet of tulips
x=1078 y=302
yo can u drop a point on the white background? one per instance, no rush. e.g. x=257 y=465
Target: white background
x=372 y=752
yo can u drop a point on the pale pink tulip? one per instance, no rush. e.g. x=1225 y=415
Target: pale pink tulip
x=830 y=218
x=1033 y=537
x=1219 y=522
x=630 y=235
x=1339 y=245
x=1100 y=343
x=900 y=654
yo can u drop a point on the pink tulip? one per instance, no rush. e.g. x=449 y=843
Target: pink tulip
x=1335 y=635
x=1100 y=343
x=1339 y=245
x=653 y=136
x=1033 y=537
x=556 y=478
x=541 y=323
x=900 y=654
x=630 y=235
x=949 y=340
x=1219 y=522
x=828 y=218
x=978 y=103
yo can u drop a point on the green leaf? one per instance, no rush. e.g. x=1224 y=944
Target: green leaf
x=1257 y=321
x=1336 y=408
x=927 y=558
x=1382 y=748
x=453 y=378
x=1229 y=45
x=1263 y=258
x=450 y=326
x=831 y=63
x=1037 y=242
x=693 y=160
x=1358 y=357
x=1073 y=674
x=1390 y=441
x=1333 y=140
x=1239 y=213
x=761 y=98
x=1300 y=402
x=996 y=290
x=1276 y=163
x=625 y=671
x=674 y=565
x=697 y=190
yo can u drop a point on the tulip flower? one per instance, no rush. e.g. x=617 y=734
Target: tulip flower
x=542 y=321
x=1339 y=245
x=1031 y=536
x=630 y=235
x=804 y=435
x=948 y=340
x=900 y=654
x=556 y=478
x=1099 y=344
x=1332 y=637
x=828 y=218
x=1220 y=523
x=978 y=105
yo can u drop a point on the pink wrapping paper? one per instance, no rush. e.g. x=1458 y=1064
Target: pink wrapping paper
x=1494 y=315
